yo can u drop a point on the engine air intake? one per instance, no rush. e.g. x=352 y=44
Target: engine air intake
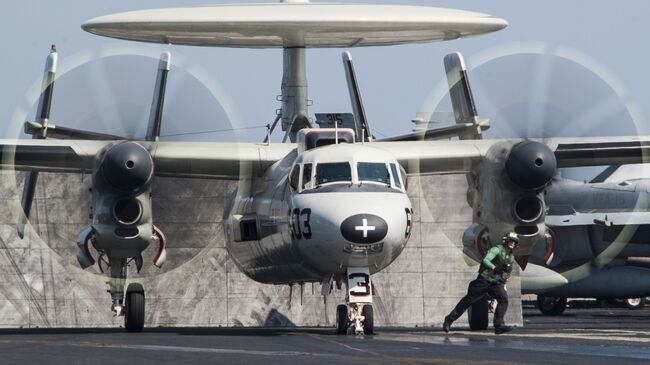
x=127 y=211
x=528 y=209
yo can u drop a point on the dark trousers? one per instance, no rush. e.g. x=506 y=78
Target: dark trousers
x=479 y=289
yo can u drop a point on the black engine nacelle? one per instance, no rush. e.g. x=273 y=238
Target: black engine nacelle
x=126 y=167
x=531 y=165
x=121 y=200
x=506 y=194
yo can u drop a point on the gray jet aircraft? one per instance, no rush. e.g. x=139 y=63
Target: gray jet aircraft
x=597 y=243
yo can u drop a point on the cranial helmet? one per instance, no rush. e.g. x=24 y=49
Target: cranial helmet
x=511 y=237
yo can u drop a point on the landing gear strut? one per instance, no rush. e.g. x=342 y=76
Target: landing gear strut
x=131 y=305
x=358 y=315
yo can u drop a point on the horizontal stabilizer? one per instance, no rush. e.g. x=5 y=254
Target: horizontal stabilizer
x=59 y=132
x=432 y=134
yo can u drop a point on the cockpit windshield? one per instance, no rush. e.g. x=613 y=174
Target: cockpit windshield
x=333 y=172
x=375 y=172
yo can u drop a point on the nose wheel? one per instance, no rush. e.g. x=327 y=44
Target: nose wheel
x=358 y=315
x=368 y=319
x=357 y=319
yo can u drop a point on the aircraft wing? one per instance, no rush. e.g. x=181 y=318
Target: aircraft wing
x=436 y=157
x=598 y=151
x=458 y=156
x=604 y=218
x=181 y=159
x=224 y=160
x=49 y=155
x=221 y=160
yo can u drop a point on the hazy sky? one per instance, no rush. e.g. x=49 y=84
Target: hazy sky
x=604 y=38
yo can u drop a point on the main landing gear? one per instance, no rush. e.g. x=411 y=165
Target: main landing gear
x=477 y=315
x=357 y=316
x=131 y=305
x=551 y=306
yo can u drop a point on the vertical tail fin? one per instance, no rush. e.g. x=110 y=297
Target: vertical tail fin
x=462 y=99
x=362 y=128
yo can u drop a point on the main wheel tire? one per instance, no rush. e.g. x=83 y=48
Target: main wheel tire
x=477 y=315
x=134 y=308
x=551 y=306
x=635 y=303
x=341 y=319
x=369 y=321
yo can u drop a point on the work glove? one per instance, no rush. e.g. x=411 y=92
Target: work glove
x=498 y=270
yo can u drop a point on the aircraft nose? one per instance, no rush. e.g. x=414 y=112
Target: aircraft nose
x=364 y=228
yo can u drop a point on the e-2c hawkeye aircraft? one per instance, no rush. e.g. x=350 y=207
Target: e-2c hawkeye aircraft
x=330 y=206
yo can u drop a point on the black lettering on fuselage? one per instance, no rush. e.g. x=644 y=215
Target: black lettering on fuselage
x=299 y=225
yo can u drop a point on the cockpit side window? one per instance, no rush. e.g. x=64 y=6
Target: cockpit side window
x=371 y=171
x=393 y=170
x=293 y=177
x=306 y=176
x=333 y=172
x=405 y=178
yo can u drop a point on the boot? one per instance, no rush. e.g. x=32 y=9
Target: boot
x=502 y=329
x=446 y=326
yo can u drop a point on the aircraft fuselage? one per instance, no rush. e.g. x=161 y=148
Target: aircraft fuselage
x=277 y=233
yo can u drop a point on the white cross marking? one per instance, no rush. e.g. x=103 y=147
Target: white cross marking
x=365 y=228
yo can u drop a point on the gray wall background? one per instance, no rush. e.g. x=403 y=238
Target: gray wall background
x=43 y=286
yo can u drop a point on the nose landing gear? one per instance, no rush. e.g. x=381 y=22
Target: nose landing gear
x=357 y=316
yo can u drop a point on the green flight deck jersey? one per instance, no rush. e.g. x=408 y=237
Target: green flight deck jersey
x=497 y=256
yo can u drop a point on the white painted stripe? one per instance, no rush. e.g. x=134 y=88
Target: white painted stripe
x=200 y=350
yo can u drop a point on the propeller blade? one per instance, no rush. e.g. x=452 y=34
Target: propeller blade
x=602 y=177
x=26 y=201
x=355 y=99
x=462 y=99
x=42 y=116
x=155 y=115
